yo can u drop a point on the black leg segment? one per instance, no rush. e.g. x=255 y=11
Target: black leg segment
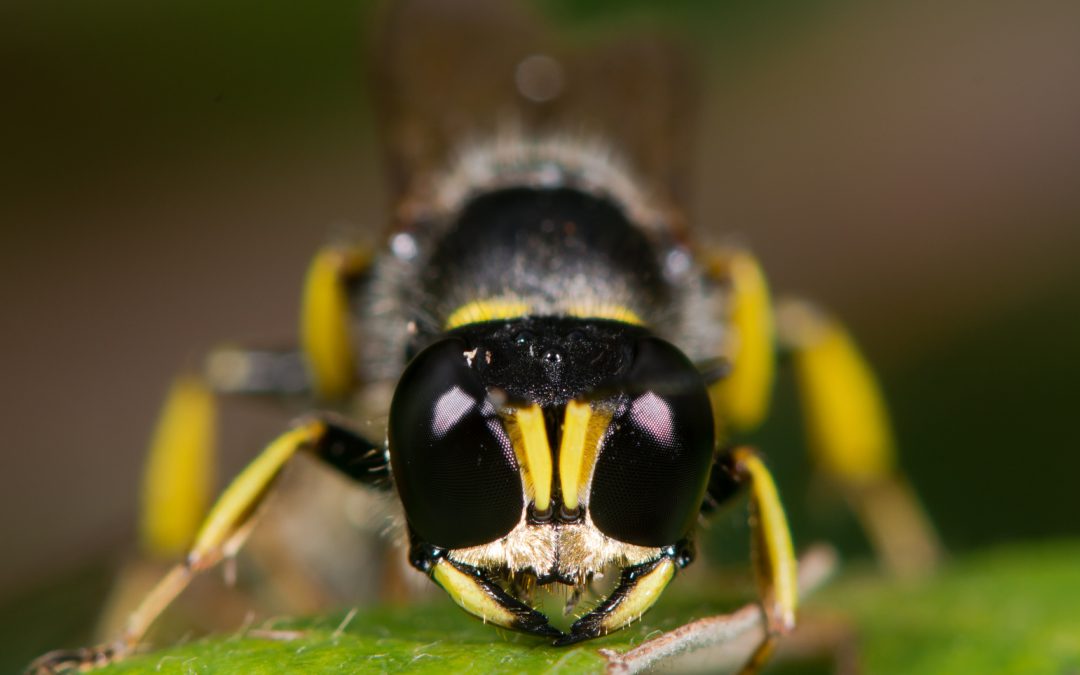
x=353 y=455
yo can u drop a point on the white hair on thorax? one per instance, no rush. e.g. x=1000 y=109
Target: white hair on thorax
x=511 y=158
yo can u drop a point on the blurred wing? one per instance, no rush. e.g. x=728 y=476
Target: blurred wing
x=639 y=91
x=450 y=71
x=445 y=71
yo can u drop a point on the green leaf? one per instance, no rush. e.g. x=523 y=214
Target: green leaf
x=1012 y=610
x=1009 y=610
x=434 y=638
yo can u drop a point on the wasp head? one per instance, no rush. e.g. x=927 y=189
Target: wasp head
x=550 y=450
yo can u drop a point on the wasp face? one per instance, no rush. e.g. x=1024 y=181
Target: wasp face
x=550 y=449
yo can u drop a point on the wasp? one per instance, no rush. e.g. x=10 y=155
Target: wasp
x=560 y=376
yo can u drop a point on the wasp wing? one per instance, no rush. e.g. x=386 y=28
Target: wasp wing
x=448 y=72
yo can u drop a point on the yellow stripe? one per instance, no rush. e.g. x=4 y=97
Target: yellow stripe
x=775 y=537
x=493 y=309
x=513 y=307
x=609 y=312
x=529 y=437
x=235 y=505
x=572 y=451
x=583 y=428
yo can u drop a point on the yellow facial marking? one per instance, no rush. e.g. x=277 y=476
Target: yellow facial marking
x=528 y=434
x=469 y=595
x=604 y=311
x=583 y=427
x=572 y=450
x=643 y=596
x=492 y=309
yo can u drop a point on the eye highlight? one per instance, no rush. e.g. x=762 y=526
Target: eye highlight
x=654 y=460
x=449 y=409
x=452 y=460
x=655 y=418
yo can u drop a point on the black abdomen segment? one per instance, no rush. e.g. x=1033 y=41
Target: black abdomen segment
x=553 y=248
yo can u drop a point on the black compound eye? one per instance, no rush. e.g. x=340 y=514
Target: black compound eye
x=654 y=461
x=453 y=463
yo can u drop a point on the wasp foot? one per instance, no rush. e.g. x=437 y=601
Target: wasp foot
x=78 y=660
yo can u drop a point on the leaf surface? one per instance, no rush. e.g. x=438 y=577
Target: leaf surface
x=1009 y=610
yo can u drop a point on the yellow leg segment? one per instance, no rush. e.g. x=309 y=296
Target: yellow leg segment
x=846 y=422
x=179 y=472
x=232 y=512
x=176 y=488
x=324 y=321
x=222 y=534
x=851 y=438
x=741 y=399
x=775 y=565
x=846 y=419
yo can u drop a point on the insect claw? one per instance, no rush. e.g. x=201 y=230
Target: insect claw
x=71 y=660
x=576 y=634
x=542 y=628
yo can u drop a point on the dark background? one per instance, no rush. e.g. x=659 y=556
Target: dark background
x=168 y=169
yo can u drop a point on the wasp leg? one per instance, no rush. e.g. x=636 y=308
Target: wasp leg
x=179 y=472
x=176 y=491
x=846 y=420
x=228 y=525
x=325 y=338
x=775 y=566
x=324 y=366
x=639 y=588
x=742 y=390
x=850 y=437
x=243 y=371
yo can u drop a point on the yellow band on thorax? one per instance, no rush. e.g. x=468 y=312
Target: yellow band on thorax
x=513 y=307
x=605 y=311
x=493 y=309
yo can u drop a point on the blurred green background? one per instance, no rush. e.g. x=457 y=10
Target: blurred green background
x=168 y=168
